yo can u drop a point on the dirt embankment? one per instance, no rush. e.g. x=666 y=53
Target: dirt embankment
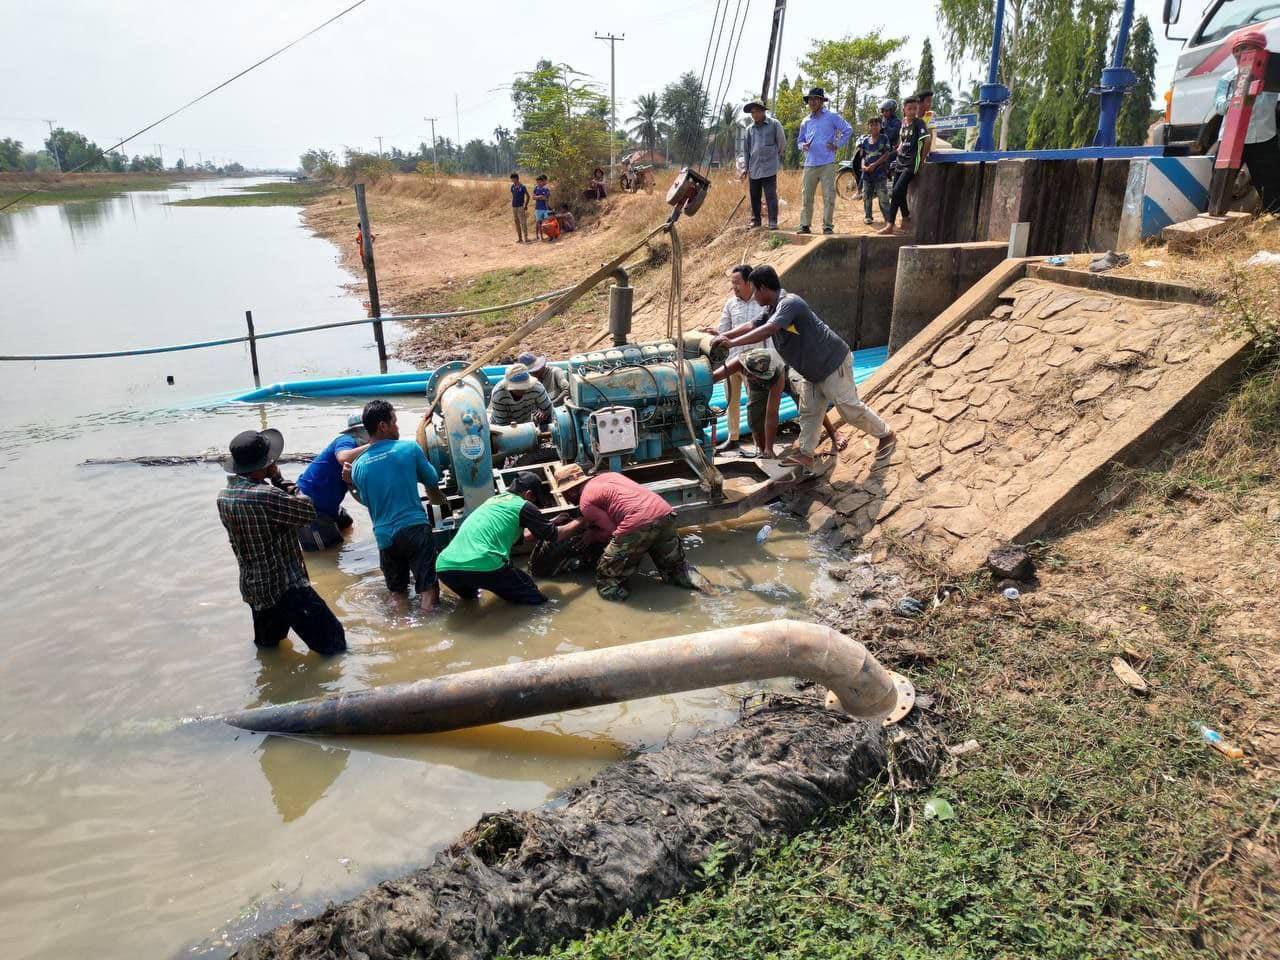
x=641 y=831
x=450 y=245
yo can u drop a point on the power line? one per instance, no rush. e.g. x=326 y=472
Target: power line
x=190 y=103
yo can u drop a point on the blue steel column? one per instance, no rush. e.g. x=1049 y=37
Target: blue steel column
x=993 y=94
x=1116 y=82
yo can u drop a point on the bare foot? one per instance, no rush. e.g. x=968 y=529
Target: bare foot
x=886 y=443
x=886 y=230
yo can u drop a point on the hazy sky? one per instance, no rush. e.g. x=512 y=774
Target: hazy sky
x=109 y=67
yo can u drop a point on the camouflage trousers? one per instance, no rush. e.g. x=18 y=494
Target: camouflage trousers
x=622 y=557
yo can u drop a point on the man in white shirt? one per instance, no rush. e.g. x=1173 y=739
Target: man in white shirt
x=740 y=308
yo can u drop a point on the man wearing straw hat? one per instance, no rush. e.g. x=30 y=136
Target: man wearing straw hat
x=634 y=520
x=262 y=513
x=519 y=398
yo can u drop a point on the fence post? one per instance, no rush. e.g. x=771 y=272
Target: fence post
x=253 y=348
x=375 y=307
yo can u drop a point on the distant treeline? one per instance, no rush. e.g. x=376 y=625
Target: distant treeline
x=65 y=150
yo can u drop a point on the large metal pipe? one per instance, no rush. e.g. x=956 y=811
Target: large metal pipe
x=621 y=298
x=761 y=651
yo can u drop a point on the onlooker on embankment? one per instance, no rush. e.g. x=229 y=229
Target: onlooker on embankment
x=762 y=148
x=913 y=147
x=541 y=204
x=876 y=152
x=520 y=208
x=822 y=133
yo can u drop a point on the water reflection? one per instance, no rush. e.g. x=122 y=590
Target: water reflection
x=299 y=773
x=288 y=672
x=85 y=218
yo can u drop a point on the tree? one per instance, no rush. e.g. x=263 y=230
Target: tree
x=790 y=110
x=924 y=75
x=646 y=124
x=895 y=83
x=944 y=101
x=318 y=162
x=73 y=150
x=852 y=65
x=725 y=133
x=683 y=106
x=562 y=128
x=1066 y=114
x=10 y=154
x=967 y=26
x=1135 y=112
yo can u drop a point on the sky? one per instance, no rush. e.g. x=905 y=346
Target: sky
x=110 y=67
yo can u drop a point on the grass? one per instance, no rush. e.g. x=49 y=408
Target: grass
x=274 y=194
x=502 y=286
x=1082 y=825
x=67 y=188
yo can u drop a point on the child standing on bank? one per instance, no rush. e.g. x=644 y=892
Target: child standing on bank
x=541 y=205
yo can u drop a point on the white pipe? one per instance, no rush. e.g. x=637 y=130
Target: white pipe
x=761 y=651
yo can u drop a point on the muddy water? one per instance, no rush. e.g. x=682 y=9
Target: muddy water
x=126 y=829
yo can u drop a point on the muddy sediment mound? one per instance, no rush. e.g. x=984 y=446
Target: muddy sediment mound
x=635 y=834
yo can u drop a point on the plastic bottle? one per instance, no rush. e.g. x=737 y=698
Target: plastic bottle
x=1012 y=593
x=1225 y=747
x=763 y=533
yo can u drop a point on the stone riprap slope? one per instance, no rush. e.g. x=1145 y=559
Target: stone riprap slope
x=1004 y=418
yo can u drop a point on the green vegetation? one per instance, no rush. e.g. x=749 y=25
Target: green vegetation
x=1088 y=825
x=76 y=187
x=274 y=194
x=502 y=286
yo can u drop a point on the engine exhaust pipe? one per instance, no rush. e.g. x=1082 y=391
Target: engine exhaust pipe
x=761 y=651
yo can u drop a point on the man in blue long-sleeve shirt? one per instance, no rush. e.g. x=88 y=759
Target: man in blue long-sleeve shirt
x=822 y=133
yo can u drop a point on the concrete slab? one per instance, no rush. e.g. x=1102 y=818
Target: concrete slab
x=1185 y=237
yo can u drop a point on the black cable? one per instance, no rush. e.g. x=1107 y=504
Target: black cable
x=271 y=56
x=726 y=75
x=706 y=56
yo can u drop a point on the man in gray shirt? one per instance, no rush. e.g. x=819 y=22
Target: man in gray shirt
x=817 y=354
x=762 y=149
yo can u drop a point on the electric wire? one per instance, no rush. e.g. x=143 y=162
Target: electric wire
x=190 y=103
x=726 y=77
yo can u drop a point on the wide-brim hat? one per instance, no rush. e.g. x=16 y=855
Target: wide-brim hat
x=533 y=362
x=817 y=92
x=569 y=476
x=254 y=450
x=517 y=377
x=752 y=105
x=355 y=427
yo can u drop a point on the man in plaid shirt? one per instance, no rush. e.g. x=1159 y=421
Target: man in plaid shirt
x=262 y=513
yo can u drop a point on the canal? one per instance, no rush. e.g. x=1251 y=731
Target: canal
x=127 y=826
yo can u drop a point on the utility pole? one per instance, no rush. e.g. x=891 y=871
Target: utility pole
x=58 y=160
x=379 y=139
x=371 y=275
x=775 y=52
x=613 y=100
x=457 y=119
x=435 y=157
x=160 y=152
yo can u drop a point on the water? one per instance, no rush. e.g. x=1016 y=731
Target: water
x=127 y=830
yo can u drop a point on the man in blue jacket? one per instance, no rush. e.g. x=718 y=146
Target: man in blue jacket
x=386 y=479
x=822 y=133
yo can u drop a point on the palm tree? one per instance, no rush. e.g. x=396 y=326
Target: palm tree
x=725 y=131
x=646 y=125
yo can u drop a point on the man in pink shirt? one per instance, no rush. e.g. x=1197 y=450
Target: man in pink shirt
x=634 y=521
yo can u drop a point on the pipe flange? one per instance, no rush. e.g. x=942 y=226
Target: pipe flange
x=906 y=699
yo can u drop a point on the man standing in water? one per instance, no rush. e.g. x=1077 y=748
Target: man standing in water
x=814 y=351
x=386 y=479
x=262 y=513
x=322 y=482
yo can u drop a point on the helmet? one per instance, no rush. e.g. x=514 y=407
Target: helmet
x=888 y=104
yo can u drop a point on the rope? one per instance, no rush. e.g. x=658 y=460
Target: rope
x=190 y=103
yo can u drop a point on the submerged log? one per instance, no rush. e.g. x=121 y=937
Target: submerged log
x=636 y=834
x=179 y=460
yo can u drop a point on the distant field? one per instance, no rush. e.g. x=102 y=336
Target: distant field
x=275 y=194
x=66 y=188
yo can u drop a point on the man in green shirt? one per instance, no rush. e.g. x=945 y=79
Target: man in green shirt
x=479 y=556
